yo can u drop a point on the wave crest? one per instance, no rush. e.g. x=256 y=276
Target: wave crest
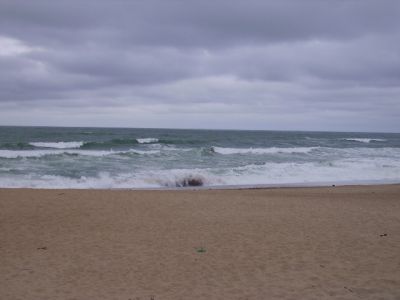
x=48 y=152
x=364 y=140
x=147 y=140
x=109 y=144
x=272 y=150
x=57 y=145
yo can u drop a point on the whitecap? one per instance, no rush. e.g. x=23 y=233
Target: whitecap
x=57 y=145
x=364 y=140
x=144 y=152
x=272 y=150
x=147 y=140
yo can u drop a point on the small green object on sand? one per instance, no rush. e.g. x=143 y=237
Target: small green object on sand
x=201 y=250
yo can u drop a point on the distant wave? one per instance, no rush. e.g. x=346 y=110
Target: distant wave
x=109 y=144
x=167 y=141
x=16 y=146
x=147 y=140
x=272 y=150
x=117 y=143
x=48 y=152
x=57 y=145
x=364 y=140
x=135 y=151
x=344 y=152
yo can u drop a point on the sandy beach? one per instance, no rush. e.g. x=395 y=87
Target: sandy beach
x=281 y=243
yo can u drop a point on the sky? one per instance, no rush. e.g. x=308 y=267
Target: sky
x=223 y=64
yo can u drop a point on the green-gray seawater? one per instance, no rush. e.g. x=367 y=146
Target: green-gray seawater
x=51 y=157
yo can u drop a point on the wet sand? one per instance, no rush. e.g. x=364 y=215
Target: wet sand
x=282 y=243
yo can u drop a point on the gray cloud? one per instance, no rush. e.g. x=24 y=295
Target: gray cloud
x=154 y=63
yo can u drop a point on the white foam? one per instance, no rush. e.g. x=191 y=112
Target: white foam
x=271 y=150
x=335 y=165
x=364 y=140
x=342 y=171
x=149 y=179
x=144 y=152
x=57 y=145
x=147 y=140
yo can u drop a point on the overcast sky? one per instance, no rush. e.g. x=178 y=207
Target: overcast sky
x=251 y=64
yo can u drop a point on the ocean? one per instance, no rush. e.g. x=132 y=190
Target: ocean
x=55 y=157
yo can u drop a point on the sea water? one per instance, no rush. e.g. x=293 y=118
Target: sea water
x=51 y=157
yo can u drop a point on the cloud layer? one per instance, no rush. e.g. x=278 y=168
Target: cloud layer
x=311 y=65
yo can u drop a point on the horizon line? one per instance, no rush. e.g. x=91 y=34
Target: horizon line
x=203 y=129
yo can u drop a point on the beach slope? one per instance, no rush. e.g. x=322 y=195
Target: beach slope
x=281 y=243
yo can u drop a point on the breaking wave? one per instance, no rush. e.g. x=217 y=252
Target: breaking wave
x=345 y=171
x=175 y=178
x=115 y=143
x=48 y=152
x=57 y=145
x=147 y=140
x=364 y=140
x=272 y=150
x=16 y=146
x=109 y=144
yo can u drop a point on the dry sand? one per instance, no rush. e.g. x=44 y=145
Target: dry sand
x=289 y=243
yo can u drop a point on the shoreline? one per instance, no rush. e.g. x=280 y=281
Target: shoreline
x=227 y=187
x=272 y=243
